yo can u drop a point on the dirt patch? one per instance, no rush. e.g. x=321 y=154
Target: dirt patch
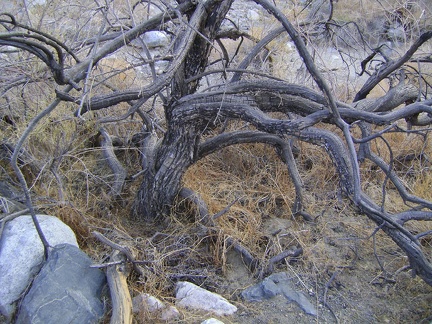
x=358 y=293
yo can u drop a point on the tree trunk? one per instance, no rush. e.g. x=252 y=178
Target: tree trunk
x=162 y=183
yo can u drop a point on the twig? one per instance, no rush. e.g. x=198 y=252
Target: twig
x=120 y=248
x=376 y=254
x=107 y=264
x=226 y=209
x=282 y=256
x=327 y=286
x=418 y=236
x=247 y=257
x=8 y=217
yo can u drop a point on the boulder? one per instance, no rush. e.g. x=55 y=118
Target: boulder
x=21 y=254
x=278 y=284
x=66 y=290
x=189 y=295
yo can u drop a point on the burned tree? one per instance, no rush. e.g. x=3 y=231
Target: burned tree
x=275 y=111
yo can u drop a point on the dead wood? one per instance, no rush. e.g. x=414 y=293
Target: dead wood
x=120 y=295
x=117 y=168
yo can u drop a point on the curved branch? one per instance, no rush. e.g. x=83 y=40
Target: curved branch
x=163 y=80
x=405 y=195
x=44 y=37
x=255 y=50
x=403 y=238
x=307 y=58
x=284 y=149
x=113 y=163
x=42 y=53
x=391 y=67
x=19 y=174
x=403 y=92
x=411 y=215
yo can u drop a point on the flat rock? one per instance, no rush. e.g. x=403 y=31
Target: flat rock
x=21 y=254
x=189 y=295
x=66 y=290
x=278 y=284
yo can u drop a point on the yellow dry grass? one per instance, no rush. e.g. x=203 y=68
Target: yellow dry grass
x=252 y=174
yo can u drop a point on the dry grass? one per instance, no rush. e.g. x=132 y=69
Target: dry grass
x=255 y=176
x=73 y=174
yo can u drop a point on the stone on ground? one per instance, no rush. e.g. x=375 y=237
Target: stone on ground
x=21 y=254
x=212 y=321
x=278 y=284
x=189 y=295
x=145 y=303
x=66 y=290
x=155 y=39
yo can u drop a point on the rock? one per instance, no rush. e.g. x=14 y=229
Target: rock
x=278 y=284
x=155 y=39
x=253 y=15
x=189 y=295
x=66 y=290
x=144 y=303
x=212 y=321
x=161 y=66
x=21 y=254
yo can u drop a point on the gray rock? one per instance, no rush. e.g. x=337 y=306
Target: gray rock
x=21 y=254
x=144 y=303
x=253 y=15
x=161 y=66
x=278 y=284
x=66 y=290
x=155 y=39
x=189 y=295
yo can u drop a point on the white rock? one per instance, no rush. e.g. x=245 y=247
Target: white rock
x=170 y=313
x=253 y=15
x=21 y=254
x=155 y=38
x=37 y=2
x=161 y=66
x=189 y=295
x=212 y=321
x=147 y=303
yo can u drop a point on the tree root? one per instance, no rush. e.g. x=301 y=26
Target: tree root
x=114 y=164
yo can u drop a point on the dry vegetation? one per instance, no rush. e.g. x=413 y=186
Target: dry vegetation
x=69 y=178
